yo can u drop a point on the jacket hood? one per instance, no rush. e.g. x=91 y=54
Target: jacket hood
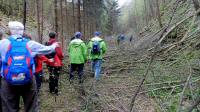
x=51 y=41
x=76 y=42
x=96 y=38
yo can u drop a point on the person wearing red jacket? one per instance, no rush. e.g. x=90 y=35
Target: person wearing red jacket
x=39 y=59
x=55 y=67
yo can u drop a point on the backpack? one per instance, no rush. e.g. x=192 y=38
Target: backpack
x=18 y=64
x=96 y=47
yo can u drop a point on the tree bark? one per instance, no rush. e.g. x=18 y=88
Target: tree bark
x=73 y=11
x=61 y=13
x=42 y=21
x=56 y=16
x=158 y=14
x=79 y=15
x=24 y=19
x=38 y=19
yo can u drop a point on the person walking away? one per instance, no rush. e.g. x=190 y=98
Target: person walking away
x=17 y=71
x=39 y=59
x=78 y=56
x=97 y=48
x=55 y=67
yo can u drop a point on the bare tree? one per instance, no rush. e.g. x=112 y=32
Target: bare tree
x=62 y=31
x=24 y=19
x=56 y=15
x=38 y=19
x=79 y=15
x=158 y=13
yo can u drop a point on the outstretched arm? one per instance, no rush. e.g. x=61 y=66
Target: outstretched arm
x=38 y=48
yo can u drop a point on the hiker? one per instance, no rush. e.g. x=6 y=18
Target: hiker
x=97 y=48
x=39 y=59
x=78 y=56
x=17 y=69
x=55 y=67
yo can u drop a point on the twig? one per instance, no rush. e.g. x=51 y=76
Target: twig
x=185 y=86
x=194 y=105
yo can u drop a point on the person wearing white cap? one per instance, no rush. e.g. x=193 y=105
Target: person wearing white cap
x=17 y=86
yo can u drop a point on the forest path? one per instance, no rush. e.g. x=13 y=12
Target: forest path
x=112 y=93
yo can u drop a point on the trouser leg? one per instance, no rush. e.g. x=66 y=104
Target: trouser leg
x=93 y=68
x=98 y=69
x=10 y=97
x=30 y=97
x=51 y=80
x=72 y=69
x=93 y=65
x=57 y=71
x=38 y=77
x=80 y=72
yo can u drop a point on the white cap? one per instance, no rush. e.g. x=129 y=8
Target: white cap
x=16 y=28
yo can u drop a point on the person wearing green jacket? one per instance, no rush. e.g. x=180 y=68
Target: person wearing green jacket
x=78 y=56
x=97 y=48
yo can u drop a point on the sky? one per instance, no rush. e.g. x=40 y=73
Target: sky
x=122 y=2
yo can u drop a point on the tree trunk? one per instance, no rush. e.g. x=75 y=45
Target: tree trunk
x=61 y=13
x=66 y=17
x=84 y=20
x=79 y=15
x=73 y=10
x=42 y=21
x=158 y=14
x=56 y=16
x=24 y=19
x=38 y=19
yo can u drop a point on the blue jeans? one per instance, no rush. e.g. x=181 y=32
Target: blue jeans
x=96 y=68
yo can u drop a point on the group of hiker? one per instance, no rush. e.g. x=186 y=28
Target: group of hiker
x=22 y=65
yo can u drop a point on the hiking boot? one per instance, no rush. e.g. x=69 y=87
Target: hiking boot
x=80 y=81
x=56 y=91
x=51 y=91
x=70 y=81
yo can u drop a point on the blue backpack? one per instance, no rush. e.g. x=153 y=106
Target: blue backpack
x=96 y=47
x=18 y=64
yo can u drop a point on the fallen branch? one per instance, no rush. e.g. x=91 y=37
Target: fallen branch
x=185 y=86
x=194 y=105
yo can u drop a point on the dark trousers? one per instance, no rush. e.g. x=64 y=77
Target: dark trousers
x=11 y=97
x=54 y=73
x=78 y=68
x=38 y=78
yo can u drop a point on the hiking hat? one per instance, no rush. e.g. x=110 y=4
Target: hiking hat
x=16 y=28
x=78 y=34
x=97 y=33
